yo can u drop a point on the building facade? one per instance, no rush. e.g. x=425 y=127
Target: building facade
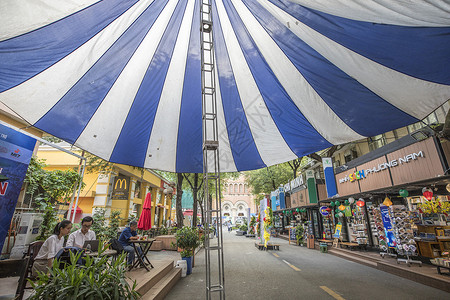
x=237 y=198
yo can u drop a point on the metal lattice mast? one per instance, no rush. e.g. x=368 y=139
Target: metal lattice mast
x=215 y=277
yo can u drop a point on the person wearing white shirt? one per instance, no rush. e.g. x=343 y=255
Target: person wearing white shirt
x=51 y=246
x=77 y=238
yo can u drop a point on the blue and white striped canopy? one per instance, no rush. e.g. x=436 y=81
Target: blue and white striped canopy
x=122 y=79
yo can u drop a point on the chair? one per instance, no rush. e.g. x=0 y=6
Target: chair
x=15 y=268
x=33 y=250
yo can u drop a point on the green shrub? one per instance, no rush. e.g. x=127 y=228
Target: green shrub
x=187 y=239
x=99 y=278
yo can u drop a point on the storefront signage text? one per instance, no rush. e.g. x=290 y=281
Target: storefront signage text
x=383 y=166
x=293 y=183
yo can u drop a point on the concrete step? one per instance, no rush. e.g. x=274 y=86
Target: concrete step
x=357 y=253
x=354 y=258
x=146 y=280
x=162 y=288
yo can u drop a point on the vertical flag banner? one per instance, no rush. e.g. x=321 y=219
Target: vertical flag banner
x=311 y=184
x=262 y=214
x=388 y=230
x=16 y=150
x=330 y=181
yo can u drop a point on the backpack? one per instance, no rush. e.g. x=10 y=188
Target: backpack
x=63 y=256
x=115 y=245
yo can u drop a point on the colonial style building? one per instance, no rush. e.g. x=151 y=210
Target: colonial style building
x=236 y=200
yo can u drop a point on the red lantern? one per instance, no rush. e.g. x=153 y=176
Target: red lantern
x=360 y=203
x=428 y=194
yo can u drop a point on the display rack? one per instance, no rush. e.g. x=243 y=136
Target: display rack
x=385 y=250
x=359 y=229
x=402 y=222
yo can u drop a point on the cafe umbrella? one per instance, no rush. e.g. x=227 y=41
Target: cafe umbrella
x=145 y=220
x=122 y=79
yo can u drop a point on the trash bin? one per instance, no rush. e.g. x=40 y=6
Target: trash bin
x=323 y=247
x=310 y=241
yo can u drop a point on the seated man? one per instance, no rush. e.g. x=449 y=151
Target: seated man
x=129 y=233
x=77 y=238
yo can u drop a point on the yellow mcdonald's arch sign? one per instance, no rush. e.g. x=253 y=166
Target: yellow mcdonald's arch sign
x=122 y=183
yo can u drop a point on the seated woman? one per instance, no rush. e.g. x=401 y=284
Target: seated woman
x=51 y=246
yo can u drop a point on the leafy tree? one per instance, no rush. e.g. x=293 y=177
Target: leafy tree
x=266 y=180
x=47 y=189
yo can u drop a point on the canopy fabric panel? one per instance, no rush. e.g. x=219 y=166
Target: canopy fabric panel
x=122 y=79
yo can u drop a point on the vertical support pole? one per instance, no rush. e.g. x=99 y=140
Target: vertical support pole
x=215 y=281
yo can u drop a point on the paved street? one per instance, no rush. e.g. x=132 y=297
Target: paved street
x=297 y=273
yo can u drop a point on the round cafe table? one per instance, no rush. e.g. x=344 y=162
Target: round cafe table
x=144 y=245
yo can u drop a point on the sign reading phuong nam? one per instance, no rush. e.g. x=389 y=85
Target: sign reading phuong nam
x=361 y=174
x=16 y=150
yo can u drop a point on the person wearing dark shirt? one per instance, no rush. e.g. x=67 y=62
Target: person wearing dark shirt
x=129 y=233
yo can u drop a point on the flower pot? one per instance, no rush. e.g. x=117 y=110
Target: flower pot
x=189 y=264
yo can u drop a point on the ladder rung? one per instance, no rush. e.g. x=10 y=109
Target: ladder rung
x=214 y=247
x=216 y=288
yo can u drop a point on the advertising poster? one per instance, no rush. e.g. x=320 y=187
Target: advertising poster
x=16 y=150
x=390 y=238
x=262 y=208
x=337 y=232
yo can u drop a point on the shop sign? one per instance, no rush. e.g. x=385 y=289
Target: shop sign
x=323 y=211
x=381 y=167
x=293 y=183
x=121 y=188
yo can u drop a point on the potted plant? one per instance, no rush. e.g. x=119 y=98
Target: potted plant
x=299 y=234
x=98 y=278
x=188 y=239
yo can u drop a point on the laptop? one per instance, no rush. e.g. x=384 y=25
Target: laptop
x=93 y=243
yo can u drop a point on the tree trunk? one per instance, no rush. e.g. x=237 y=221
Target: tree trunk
x=178 y=203
x=195 y=194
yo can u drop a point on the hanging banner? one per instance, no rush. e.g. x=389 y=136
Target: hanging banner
x=16 y=150
x=330 y=181
x=262 y=214
x=337 y=232
x=311 y=184
x=390 y=237
x=348 y=211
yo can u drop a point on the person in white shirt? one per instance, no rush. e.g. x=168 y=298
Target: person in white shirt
x=51 y=246
x=77 y=238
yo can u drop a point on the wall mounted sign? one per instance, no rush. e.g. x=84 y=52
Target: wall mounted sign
x=323 y=211
x=381 y=167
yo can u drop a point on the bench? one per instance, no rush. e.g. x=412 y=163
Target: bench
x=350 y=245
x=269 y=246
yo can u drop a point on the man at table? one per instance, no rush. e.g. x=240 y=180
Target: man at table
x=127 y=235
x=77 y=238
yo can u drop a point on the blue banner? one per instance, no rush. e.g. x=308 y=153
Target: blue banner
x=328 y=172
x=16 y=150
x=390 y=237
